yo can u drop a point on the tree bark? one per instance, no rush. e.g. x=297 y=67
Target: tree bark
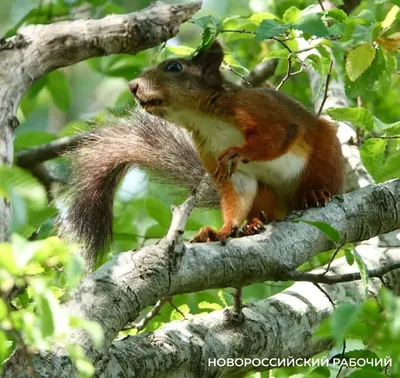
x=276 y=328
x=134 y=280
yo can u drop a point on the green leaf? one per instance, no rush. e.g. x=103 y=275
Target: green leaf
x=385 y=80
x=342 y=319
x=363 y=270
x=367 y=83
x=223 y=298
x=279 y=54
x=229 y=59
x=176 y=315
x=359 y=117
x=269 y=29
x=209 y=306
x=156 y=231
x=158 y=211
x=291 y=14
x=58 y=85
x=29 y=100
x=366 y=373
x=349 y=256
x=7 y=259
x=259 y=17
x=337 y=14
x=45 y=310
x=366 y=17
x=312 y=24
x=327 y=229
x=180 y=50
x=319 y=372
x=4 y=347
x=32 y=138
x=359 y=59
x=3 y=309
x=390 y=17
x=381 y=158
x=205 y=21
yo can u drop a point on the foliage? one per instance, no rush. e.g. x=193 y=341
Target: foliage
x=37 y=270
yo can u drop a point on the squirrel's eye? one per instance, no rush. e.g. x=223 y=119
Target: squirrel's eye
x=174 y=67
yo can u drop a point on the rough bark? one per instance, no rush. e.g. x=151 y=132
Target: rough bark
x=279 y=327
x=39 y=49
x=134 y=280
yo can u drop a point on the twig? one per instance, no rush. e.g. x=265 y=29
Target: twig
x=337 y=278
x=175 y=307
x=283 y=44
x=243 y=31
x=328 y=79
x=326 y=294
x=333 y=256
x=286 y=77
x=180 y=214
x=359 y=132
x=343 y=352
x=321 y=5
x=35 y=155
x=237 y=301
x=150 y=315
x=158 y=52
x=289 y=73
x=230 y=68
x=45 y=177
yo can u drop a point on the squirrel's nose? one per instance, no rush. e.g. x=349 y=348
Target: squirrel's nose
x=133 y=86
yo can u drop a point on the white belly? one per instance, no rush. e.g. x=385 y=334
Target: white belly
x=276 y=173
x=219 y=135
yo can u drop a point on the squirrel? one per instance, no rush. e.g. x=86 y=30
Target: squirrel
x=266 y=153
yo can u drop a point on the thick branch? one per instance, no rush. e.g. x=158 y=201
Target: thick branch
x=279 y=327
x=133 y=281
x=261 y=72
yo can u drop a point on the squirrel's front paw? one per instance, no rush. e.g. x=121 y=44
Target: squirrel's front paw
x=227 y=163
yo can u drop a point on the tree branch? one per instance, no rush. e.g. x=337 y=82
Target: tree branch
x=133 y=281
x=279 y=327
x=261 y=72
x=35 y=155
x=337 y=278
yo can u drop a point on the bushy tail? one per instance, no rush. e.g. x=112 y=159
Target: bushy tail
x=102 y=159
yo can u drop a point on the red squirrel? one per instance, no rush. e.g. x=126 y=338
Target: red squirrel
x=266 y=153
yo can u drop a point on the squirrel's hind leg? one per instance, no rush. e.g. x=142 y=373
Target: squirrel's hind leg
x=237 y=198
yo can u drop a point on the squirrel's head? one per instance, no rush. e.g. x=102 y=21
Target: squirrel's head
x=177 y=84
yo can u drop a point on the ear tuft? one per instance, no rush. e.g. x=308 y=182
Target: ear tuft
x=210 y=60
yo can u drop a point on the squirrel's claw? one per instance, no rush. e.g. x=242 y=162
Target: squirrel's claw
x=253 y=227
x=315 y=198
x=231 y=155
x=207 y=234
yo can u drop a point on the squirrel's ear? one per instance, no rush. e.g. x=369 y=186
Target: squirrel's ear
x=210 y=60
